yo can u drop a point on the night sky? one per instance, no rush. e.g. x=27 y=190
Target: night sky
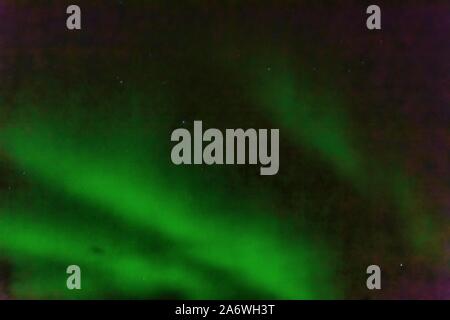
x=86 y=176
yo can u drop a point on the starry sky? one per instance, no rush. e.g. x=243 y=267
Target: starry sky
x=85 y=170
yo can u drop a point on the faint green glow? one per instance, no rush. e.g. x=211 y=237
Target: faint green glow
x=314 y=122
x=319 y=123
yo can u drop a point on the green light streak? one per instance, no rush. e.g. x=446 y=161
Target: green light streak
x=318 y=123
x=249 y=246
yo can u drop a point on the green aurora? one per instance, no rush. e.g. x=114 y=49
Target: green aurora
x=99 y=191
